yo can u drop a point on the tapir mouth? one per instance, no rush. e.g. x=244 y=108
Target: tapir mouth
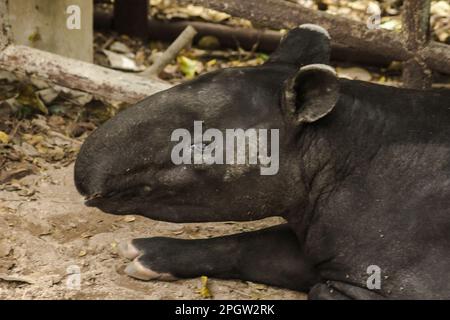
x=131 y=193
x=93 y=201
x=96 y=199
x=160 y=207
x=92 y=197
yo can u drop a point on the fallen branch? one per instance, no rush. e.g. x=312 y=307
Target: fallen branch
x=99 y=81
x=229 y=37
x=346 y=34
x=436 y=49
x=17 y=173
x=183 y=40
x=18 y=279
x=233 y=37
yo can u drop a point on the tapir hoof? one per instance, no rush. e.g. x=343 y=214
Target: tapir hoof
x=127 y=250
x=136 y=268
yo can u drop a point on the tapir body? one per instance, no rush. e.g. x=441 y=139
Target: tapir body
x=363 y=179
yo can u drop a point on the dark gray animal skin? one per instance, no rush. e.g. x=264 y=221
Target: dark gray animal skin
x=364 y=179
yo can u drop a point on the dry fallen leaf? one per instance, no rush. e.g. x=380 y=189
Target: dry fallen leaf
x=129 y=218
x=27 y=193
x=354 y=73
x=18 y=172
x=121 y=62
x=5 y=249
x=4 y=138
x=260 y=287
x=86 y=235
x=18 y=279
x=28 y=97
x=189 y=67
x=204 y=290
x=48 y=95
x=119 y=47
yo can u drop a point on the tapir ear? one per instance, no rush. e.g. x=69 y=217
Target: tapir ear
x=311 y=94
x=304 y=45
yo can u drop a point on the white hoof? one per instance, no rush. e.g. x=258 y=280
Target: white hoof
x=127 y=250
x=136 y=270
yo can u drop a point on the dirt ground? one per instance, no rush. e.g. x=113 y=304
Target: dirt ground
x=45 y=238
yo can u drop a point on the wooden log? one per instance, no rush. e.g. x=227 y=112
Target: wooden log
x=234 y=37
x=345 y=33
x=99 y=81
x=229 y=37
x=432 y=52
x=416 y=25
x=277 y=14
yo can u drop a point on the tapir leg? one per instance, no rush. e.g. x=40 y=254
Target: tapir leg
x=272 y=256
x=335 y=290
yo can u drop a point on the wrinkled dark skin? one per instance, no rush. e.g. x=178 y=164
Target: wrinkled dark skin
x=367 y=183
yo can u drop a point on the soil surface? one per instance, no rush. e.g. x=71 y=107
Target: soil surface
x=49 y=239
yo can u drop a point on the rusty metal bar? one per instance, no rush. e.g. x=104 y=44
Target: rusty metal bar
x=416 y=33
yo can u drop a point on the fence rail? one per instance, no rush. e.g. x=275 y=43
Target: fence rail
x=413 y=47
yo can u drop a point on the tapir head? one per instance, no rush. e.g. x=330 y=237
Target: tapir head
x=161 y=157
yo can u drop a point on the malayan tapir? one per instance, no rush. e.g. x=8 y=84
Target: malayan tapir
x=363 y=179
